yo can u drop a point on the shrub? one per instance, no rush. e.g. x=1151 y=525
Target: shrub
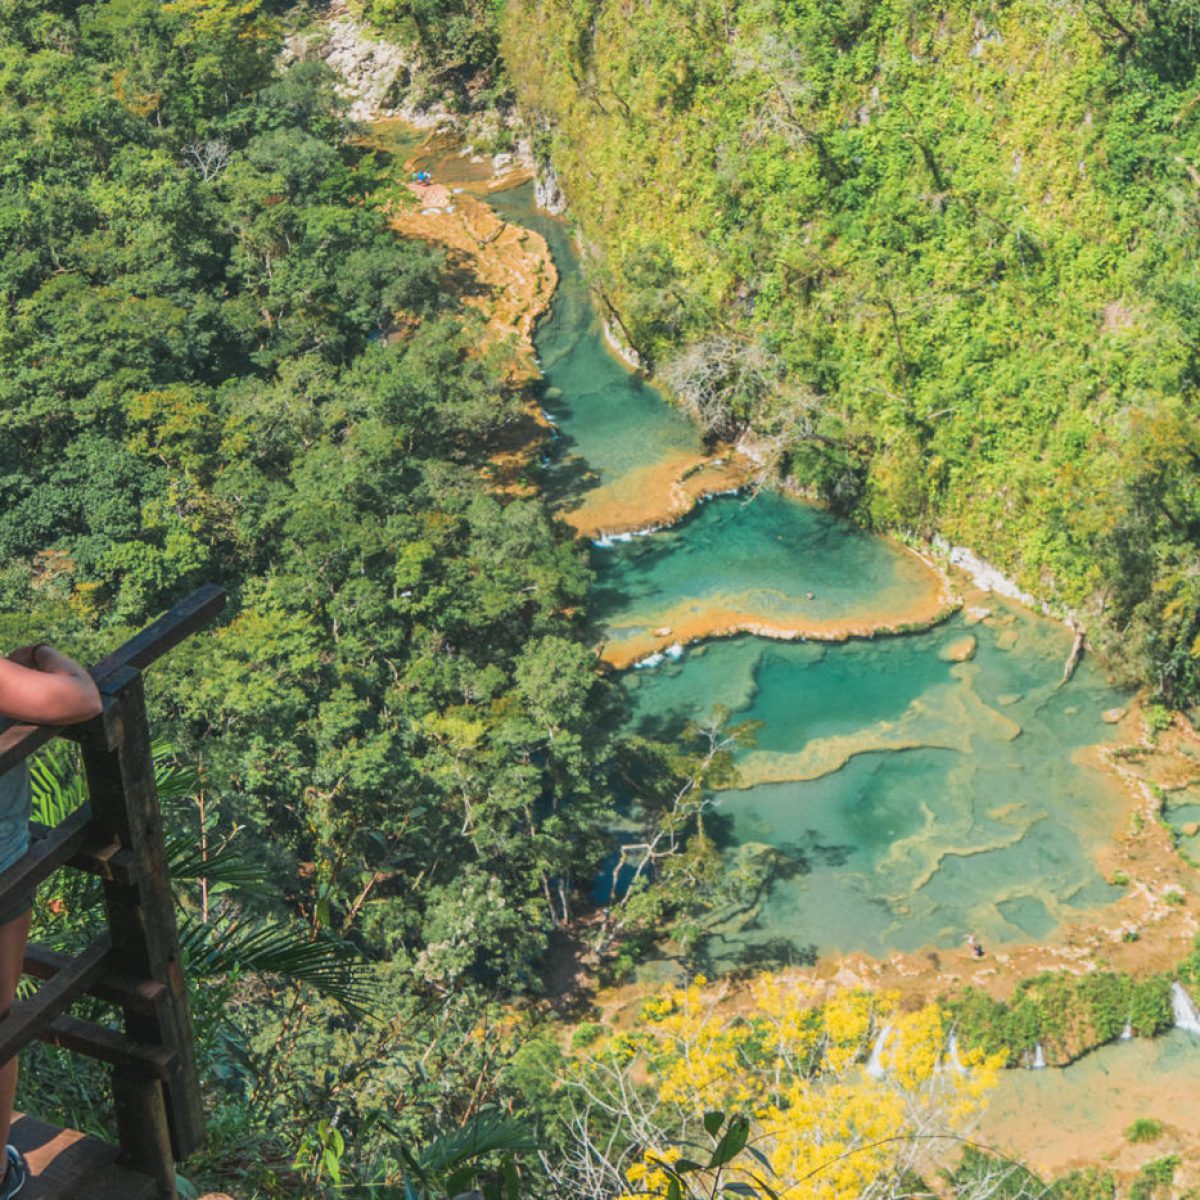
x=1156 y=1175
x=1145 y=1129
x=585 y=1034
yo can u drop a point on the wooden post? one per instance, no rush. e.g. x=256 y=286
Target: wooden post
x=142 y=1129
x=145 y=940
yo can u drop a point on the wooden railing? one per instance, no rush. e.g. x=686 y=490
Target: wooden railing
x=135 y=964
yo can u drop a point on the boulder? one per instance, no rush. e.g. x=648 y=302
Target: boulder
x=1113 y=716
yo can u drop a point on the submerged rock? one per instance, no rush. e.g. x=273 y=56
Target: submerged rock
x=1113 y=716
x=960 y=650
x=1006 y=639
x=1009 y=699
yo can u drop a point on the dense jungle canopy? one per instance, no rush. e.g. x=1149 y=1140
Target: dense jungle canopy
x=938 y=261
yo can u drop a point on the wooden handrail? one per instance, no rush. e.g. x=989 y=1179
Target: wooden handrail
x=118 y=836
x=19 y=741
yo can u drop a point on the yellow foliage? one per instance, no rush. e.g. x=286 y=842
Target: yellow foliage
x=647 y=1177
x=836 y=1085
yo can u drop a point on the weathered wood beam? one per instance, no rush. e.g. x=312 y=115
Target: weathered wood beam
x=29 y=1017
x=108 y=1045
x=114 y=986
x=141 y=916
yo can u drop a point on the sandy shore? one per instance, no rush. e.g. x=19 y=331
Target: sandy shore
x=660 y=494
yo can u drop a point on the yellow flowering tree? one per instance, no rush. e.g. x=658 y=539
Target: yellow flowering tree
x=837 y=1094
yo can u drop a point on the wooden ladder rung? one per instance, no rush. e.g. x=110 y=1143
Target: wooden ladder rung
x=108 y=1045
x=115 y=985
x=21 y=1025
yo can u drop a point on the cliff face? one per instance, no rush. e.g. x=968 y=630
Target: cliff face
x=940 y=258
x=379 y=79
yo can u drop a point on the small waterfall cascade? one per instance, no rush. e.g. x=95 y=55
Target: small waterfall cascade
x=875 y=1066
x=1187 y=1015
x=1036 y=1061
x=1127 y=1032
x=952 y=1059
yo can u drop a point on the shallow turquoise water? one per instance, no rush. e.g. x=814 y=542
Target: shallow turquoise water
x=611 y=422
x=982 y=823
x=1182 y=811
x=902 y=800
x=769 y=556
x=1052 y=1117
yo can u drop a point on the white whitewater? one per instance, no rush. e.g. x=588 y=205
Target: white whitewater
x=875 y=1066
x=1039 y=1058
x=1187 y=1015
x=955 y=1063
x=1127 y=1032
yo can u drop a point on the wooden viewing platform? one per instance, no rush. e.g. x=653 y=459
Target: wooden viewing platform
x=63 y=1163
x=133 y=965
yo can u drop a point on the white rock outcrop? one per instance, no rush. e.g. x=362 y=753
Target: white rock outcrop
x=376 y=76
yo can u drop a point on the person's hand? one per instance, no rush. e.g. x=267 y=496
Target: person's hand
x=25 y=656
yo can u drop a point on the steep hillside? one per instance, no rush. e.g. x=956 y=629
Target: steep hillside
x=941 y=258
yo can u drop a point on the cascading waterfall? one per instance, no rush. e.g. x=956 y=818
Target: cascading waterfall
x=1127 y=1032
x=875 y=1066
x=1187 y=1015
x=952 y=1059
x=1038 y=1062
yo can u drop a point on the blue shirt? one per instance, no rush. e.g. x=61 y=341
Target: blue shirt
x=15 y=798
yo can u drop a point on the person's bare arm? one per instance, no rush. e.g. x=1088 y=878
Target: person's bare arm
x=44 y=687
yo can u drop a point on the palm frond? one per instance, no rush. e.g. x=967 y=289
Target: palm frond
x=187 y=861
x=58 y=783
x=174 y=780
x=488 y=1133
x=267 y=947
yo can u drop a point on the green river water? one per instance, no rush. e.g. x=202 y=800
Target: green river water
x=914 y=799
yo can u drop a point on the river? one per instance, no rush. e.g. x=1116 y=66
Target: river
x=914 y=798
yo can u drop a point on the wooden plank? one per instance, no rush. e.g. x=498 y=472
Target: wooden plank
x=107 y=1045
x=18 y=742
x=65 y=1165
x=29 y=1017
x=48 y=850
x=166 y=633
x=141 y=917
x=109 y=860
x=115 y=986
